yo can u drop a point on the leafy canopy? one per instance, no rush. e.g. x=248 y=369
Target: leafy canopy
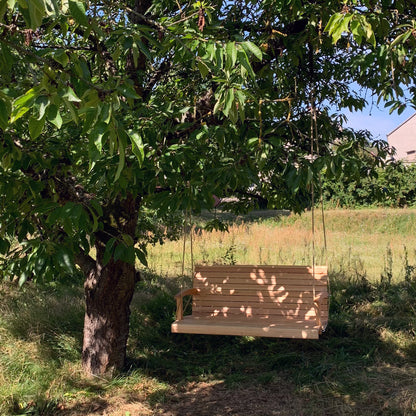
x=169 y=103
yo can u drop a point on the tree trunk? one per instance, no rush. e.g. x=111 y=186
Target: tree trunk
x=108 y=293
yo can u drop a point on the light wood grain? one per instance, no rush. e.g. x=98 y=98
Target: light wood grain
x=271 y=301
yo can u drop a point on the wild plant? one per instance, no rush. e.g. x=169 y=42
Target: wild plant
x=387 y=274
x=409 y=270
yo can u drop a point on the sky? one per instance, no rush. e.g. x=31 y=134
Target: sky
x=377 y=120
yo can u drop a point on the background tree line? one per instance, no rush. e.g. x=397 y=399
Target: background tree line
x=392 y=186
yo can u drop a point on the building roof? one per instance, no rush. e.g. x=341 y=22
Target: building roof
x=400 y=125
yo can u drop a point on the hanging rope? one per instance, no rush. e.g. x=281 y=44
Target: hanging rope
x=315 y=151
x=187 y=220
x=320 y=178
x=184 y=248
x=312 y=156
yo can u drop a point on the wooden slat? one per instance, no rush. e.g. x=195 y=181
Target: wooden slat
x=260 y=301
x=288 y=320
x=258 y=296
x=298 y=285
x=260 y=292
x=253 y=300
x=192 y=325
x=265 y=268
x=261 y=279
x=249 y=313
x=292 y=308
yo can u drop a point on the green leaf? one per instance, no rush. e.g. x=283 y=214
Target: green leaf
x=4 y=246
x=36 y=127
x=229 y=99
x=121 y=155
x=53 y=116
x=23 y=278
x=137 y=146
x=97 y=207
x=128 y=240
x=357 y=31
x=61 y=57
x=23 y=104
x=109 y=250
x=144 y=49
x=98 y=133
x=141 y=255
x=4 y=115
x=401 y=38
x=42 y=104
x=203 y=69
x=244 y=61
x=333 y=23
x=63 y=258
x=241 y=97
x=3 y=9
x=70 y=95
x=252 y=48
x=128 y=91
x=341 y=26
x=36 y=13
x=219 y=57
x=136 y=54
x=78 y=12
x=233 y=113
x=219 y=103
x=231 y=52
x=106 y=113
x=72 y=111
x=124 y=253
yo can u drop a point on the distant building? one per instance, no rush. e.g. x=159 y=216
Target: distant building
x=403 y=140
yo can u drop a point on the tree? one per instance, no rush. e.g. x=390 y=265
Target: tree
x=108 y=108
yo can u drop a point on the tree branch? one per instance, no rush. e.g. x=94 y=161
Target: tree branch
x=85 y=262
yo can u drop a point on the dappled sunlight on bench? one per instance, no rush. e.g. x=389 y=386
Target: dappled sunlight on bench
x=275 y=301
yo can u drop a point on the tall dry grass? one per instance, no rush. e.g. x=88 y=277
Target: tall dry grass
x=369 y=243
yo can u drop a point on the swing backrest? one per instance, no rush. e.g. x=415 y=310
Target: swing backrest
x=279 y=293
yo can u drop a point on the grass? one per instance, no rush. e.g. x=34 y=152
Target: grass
x=365 y=363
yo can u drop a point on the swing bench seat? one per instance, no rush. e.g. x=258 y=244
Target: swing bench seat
x=258 y=301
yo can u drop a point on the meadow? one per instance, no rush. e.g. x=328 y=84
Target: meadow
x=364 y=364
x=367 y=243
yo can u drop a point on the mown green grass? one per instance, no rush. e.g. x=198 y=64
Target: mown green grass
x=365 y=363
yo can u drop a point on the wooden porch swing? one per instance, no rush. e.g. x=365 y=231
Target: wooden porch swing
x=258 y=300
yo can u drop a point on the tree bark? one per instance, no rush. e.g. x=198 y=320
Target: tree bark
x=108 y=293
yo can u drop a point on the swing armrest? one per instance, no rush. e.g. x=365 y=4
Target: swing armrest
x=317 y=301
x=179 y=300
x=187 y=292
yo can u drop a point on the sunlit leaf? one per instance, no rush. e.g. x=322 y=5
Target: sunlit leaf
x=78 y=11
x=36 y=126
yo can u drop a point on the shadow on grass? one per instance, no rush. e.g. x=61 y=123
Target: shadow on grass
x=246 y=217
x=365 y=363
x=50 y=316
x=371 y=334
